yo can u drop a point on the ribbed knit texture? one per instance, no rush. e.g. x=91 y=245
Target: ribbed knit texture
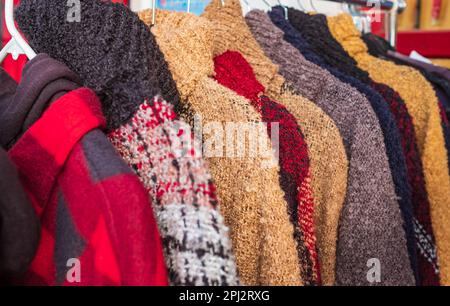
x=423 y=107
x=252 y=199
x=371 y=205
x=195 y=239
x=314 y=29
x=328 y=160
x=115 y=55
x=391 y=135
x=234 y=72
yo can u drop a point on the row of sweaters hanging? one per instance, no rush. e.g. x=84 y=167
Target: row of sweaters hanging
x=362 y=169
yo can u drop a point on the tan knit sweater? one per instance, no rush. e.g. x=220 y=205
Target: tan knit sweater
x=251 y=197
x=423 y=107
x=328 y=159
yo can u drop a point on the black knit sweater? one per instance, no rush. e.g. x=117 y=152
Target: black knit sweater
x=111 y=49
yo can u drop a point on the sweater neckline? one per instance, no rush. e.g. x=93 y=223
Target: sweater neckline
x=314 y=29
x=345 y=31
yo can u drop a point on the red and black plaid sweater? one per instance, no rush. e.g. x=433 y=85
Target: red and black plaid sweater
x=91 y=206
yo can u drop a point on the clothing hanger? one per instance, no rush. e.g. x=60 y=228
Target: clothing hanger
x=17 y=45
x=285 y=10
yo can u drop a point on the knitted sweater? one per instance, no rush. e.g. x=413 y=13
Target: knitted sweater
x=315 y=30
x=371 y=206
x=146 y=131
x=101 y=52
x=329 y=165
x=78 y=186
x=234 y=72
x=423 y=107
x=391 y=135
x=252 y=200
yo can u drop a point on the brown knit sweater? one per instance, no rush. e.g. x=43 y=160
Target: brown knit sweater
x=423 y=107
x=252 y=200
x=371 y=206
x=329 y=164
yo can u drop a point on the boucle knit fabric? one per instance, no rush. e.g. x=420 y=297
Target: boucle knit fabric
x=234 y=72
x=196 y=240
x=423 y=107
x=115 y=55
x=371 y=206
x=251 y=198
x=315 y=30
x=391 y=135
x=161 y=150
x=20 y=232
x=329 y=164
x=432 y=74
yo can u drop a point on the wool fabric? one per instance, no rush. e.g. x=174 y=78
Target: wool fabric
x=422 y=105
x=196 y=241
x=77 y=185
x=391 y=135
x=329 y=164
x=371 y=205
x=161 y=150
x=252 y=199
x=315 y=30
x=234 y=72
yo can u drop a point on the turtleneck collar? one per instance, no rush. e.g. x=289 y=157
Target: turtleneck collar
x=345 y=31
x=43 y=81
x=234 y=72
x=232 y=33
x=187 y=43
x=112 y=51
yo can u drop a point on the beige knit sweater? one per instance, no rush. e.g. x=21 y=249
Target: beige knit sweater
x=251 y=197
x=423 y=107
x=328 y=159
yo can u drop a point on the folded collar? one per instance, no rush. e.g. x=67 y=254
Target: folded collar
x=43 y=81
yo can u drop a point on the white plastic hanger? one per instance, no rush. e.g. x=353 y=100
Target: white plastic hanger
x=17 y=45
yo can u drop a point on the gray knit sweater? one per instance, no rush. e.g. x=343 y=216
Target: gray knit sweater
x=371 y=225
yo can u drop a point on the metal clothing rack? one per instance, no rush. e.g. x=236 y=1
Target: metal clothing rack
x=392 y=9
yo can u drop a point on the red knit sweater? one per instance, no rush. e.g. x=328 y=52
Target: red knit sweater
x=91 y=206
x=234 y=72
